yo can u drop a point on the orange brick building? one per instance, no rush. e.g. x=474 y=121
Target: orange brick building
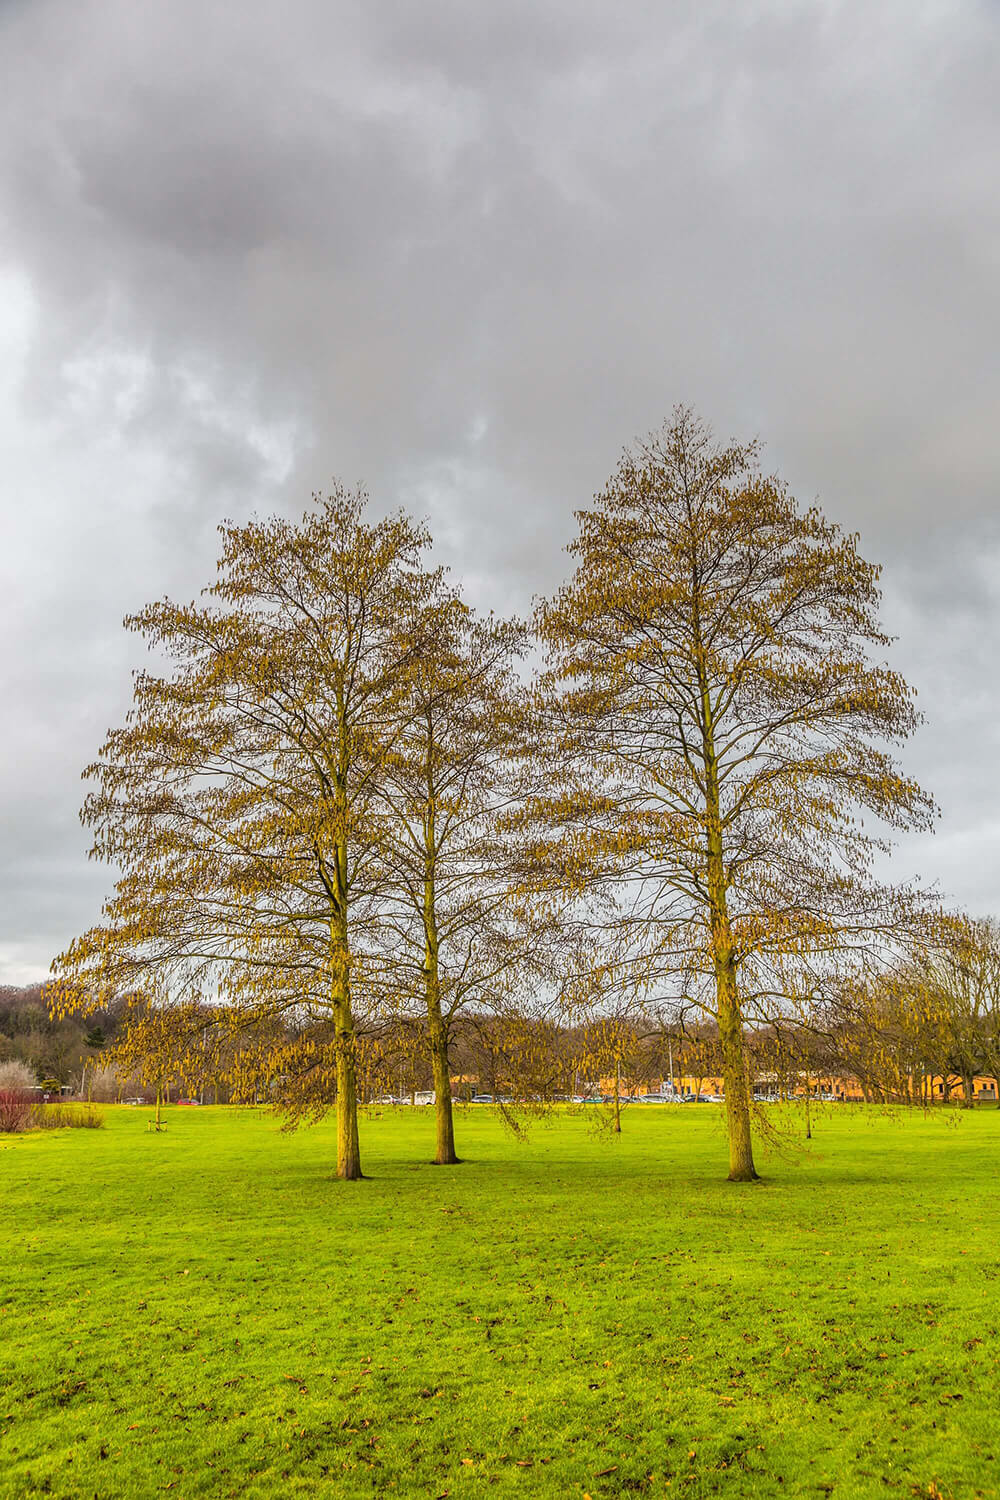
x=833 y=1088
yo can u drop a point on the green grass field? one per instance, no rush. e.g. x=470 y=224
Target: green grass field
x=207 y=1312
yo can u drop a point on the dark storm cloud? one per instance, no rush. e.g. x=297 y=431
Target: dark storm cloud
x=464 y=254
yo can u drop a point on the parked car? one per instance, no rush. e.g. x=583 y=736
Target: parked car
x=481 y=1099
x=191 y=1102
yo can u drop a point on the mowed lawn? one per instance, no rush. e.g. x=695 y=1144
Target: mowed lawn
x=208 y=1312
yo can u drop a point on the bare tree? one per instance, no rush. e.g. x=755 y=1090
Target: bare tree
x=240 y=801
x=723 y=729
x=453 y=776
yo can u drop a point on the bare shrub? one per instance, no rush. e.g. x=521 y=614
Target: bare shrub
x=15 y=1110
x=105 y=1084
x=15 y=1074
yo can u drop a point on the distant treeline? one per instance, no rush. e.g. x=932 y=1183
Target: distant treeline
x=894 y=1049
x=55 y=1049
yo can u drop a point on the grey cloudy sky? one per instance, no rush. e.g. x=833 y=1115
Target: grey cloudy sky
x=464 y=253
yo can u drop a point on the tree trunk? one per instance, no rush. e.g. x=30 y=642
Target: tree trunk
x=808 y=1117
x=730 y=1021
x=445 y=1155
x=618 y=1105
x=734 y=1067
x=348 y=1144
x=734 y=1072
x=437 y=1032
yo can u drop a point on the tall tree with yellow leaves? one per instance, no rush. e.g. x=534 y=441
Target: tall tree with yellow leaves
x=241 y=801
x=724 y=728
